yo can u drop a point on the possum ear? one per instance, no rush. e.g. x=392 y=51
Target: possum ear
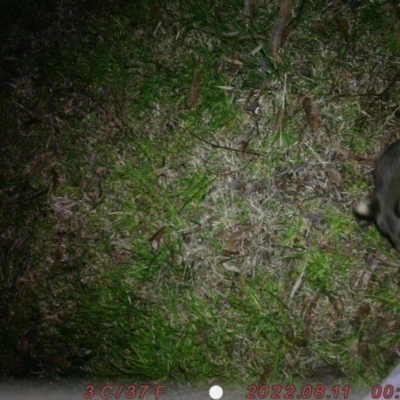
x=368 y=208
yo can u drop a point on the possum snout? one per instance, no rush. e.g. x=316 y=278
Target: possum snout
x=385 y=216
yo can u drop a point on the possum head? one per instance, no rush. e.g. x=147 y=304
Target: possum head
x=386 y=215
x=384 y=205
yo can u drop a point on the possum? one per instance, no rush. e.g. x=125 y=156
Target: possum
x=384 y=204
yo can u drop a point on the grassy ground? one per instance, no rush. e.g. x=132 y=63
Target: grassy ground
x=162 y=220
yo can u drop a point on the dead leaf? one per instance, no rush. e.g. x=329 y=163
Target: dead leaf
x=312 y=217
x=329 y=249
x=309 y=314
x=279 y=27
x=312 y=113
x=343 y=26
x=244 y=145
x=252 y=101
x=257 y=49
x=83 y=183
x=235 y=62
x=155 y=240
x=228 y=254
x=287 y=31
x=393 y=324
x=46 y=99
x=264 y=378
x=121 y=255
x=236 y=65
x=235 y=238
x=232 y=268
x=194 y=93
x=351 y=156
x=363 y=310
x=241 y=140
x=338 y=305
x=279 y=119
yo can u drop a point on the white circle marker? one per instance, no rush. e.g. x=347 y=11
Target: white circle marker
x=216 y=392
